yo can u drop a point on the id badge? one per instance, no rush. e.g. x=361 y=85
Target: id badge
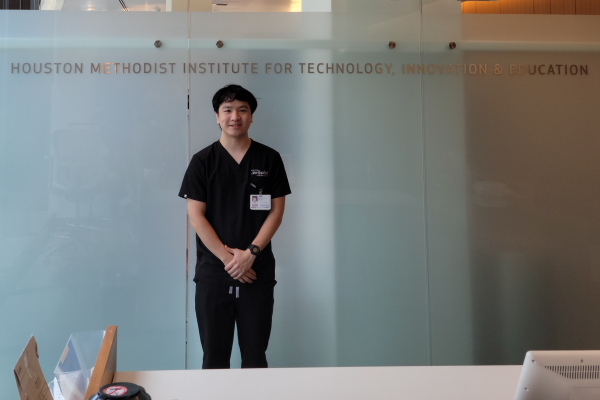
x=260 y=201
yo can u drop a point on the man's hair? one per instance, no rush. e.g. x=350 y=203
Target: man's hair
x=234 y=92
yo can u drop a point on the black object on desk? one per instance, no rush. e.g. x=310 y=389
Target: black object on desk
x=121 y=391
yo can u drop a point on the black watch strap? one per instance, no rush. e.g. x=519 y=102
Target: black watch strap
x=255 y=250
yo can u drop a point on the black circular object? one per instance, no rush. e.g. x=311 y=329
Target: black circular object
x=121 y=391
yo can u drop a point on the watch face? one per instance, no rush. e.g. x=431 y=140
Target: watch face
x=255 y=250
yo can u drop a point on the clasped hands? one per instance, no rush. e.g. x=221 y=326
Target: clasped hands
x=239 y=264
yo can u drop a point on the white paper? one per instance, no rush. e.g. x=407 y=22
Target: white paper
x=56 y=393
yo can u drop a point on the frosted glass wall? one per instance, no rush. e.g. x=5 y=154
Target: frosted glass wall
x=90 y=232
x=332 y=100
x=511 y=147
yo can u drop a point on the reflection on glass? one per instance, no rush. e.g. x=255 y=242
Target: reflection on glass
x=512 y=226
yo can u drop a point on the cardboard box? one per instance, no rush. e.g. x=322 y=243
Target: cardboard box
x=28 y=374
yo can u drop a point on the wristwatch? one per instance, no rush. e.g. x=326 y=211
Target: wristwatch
x=255 y=250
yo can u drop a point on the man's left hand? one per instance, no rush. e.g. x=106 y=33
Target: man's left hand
x=241 y=263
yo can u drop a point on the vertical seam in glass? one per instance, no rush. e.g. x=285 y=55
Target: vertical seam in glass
x=424 y=172
x=187 y=223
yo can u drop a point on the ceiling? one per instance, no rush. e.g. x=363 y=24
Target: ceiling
x=257 y=6
x=160 y=5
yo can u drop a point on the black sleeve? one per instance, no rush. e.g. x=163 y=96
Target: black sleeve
x=194 y=181
x=279 y=182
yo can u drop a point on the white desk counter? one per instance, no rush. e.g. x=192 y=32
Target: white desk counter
x=372 y=383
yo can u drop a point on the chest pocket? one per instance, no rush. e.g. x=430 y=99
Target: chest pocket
x=258 y=182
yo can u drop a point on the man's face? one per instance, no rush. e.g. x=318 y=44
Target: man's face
x=234 y=118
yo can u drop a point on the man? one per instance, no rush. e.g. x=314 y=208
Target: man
x=235 y=190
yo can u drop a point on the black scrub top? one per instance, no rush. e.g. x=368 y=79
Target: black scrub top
x=215 y=178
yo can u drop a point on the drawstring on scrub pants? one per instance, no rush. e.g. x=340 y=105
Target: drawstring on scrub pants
x=237 y=291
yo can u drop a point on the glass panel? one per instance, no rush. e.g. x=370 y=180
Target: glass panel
x=90 y=232
x=512 y=216
x=443 y=211
x=350 y=252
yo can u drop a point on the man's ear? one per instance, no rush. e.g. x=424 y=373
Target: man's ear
x=217 y=116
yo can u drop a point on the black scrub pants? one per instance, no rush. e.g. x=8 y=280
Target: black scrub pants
x=219 y=308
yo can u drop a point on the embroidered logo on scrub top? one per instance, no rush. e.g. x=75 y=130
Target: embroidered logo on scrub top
x=258 y=172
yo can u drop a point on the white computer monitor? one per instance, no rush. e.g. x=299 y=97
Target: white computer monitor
x=560 y=375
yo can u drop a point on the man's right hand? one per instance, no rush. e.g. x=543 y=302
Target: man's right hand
x=248 y=277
